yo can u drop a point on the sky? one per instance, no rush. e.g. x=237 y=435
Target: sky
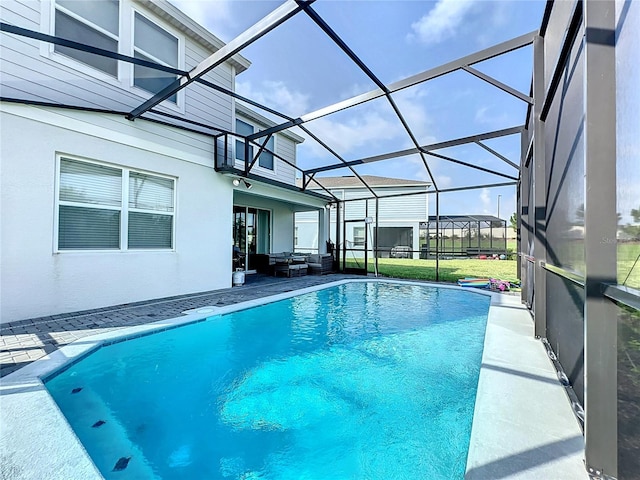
x=297 y=69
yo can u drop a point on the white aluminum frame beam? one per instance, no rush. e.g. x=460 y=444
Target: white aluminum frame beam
x=500 y=156
x=496 y=83
x=486 y=54
x=422 y=149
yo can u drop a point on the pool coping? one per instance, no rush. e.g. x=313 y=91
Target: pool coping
x=37 y=442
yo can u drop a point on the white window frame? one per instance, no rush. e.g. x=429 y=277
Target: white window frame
x=259 y=141
x=363 y=237
x=275 y=159
x=123 y=209
x=48 y=26
x=237 y=138
x=125 y=77
x=180 y=101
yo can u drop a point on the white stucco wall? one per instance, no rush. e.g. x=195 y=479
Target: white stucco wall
x=37 y=281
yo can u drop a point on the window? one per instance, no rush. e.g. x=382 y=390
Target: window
x=116 y=26
x=153 y=43
x=266 y=158
x=90 y=206
x=150 y=211
x=358 y=236
x=93 y=23
x=92 y=214
x=243 y=128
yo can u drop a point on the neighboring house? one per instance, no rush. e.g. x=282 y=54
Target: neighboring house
x=99 y=210
x=398 y=218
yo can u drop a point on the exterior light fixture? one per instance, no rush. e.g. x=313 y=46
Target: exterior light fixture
x=236 y=183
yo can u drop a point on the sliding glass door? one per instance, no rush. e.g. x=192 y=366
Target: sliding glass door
x=251 y=235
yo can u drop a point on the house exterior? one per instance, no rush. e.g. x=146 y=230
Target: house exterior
x=398 y=218
x=99 y=210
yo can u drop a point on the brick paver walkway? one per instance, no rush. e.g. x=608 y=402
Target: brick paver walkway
x=24 y=341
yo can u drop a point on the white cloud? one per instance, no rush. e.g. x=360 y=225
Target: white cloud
x=215 y=16
x=444 y=181
x=368 y=128
x=441 y=22
x=485 y=200
x=370 y=125
x=412 y=104
x=419 y=172
x=486 y=116
x=277 y=95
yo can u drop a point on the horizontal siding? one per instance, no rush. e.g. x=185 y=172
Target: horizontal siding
x=282 y=172
x=22 y=13
x=356 y=209
x=284 y=147
x=221 y=75
x=203 y=102
x=306 y=217
x=412 y=207
x=27 y=74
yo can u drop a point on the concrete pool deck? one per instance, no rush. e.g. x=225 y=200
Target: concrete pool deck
x=523 y=425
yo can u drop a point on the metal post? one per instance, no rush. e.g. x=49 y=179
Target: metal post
x=246 y=157
x=519 y=193
x=504 y=233
x=524 y=230
x=437 y=236
x=491 y=227
x=540 y=184
x=600 y=219
x=338 y=237
x=375 y=236
x=226 y=149
x=366 y=237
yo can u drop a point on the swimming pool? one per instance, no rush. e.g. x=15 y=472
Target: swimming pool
x=363 y=380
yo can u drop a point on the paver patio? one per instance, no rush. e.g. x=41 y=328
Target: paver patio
x=25 y=341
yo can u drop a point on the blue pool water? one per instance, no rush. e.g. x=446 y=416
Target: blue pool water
x=360 y=381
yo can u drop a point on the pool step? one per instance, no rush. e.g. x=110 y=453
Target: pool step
x=115 y=455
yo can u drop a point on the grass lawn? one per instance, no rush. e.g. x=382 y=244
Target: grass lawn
x=629 y=264
x=453 y=270
x=450 y=270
